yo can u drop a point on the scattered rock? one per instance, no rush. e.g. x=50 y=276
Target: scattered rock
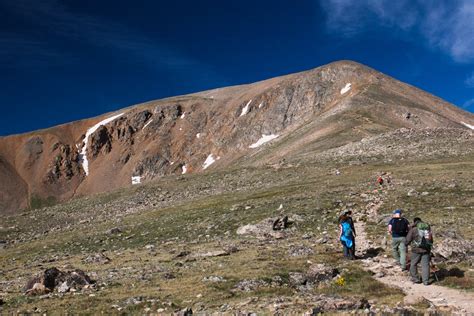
x=296 y=279
x=213 y=279
x=213 y=253
x=320 y=273
x=249 y=285
x=99 y=258
x=300 y=251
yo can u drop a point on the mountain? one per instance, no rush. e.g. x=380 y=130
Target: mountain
x=325 y=113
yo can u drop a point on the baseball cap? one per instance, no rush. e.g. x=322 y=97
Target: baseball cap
x=397 y=211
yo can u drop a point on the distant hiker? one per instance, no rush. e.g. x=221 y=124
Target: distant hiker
x=380 y=180
x=422 y=241
x=398 y=227
x=346 y=235
x=348 y=213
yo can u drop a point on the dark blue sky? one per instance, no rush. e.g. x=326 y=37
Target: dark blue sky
x=64 y=60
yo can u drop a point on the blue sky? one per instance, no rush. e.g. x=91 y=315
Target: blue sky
x=64 y=60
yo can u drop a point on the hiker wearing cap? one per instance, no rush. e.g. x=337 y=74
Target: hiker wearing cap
x=398 y=227
x=422 y=241
x=346 y=235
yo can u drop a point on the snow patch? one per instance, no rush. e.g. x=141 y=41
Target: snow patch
x=198 y=135
x=260 y=105
x=148 y=123
x=280 y=207
x=245 y=110
x=136 y=179
x=209 y=161
x=185 y=169
x=468 y=125
x=90 y=131
x=171 y=163
x=346 y=88
x=183 y=115
x=263 y=140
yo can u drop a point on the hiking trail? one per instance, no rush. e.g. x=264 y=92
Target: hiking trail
x=388 y=272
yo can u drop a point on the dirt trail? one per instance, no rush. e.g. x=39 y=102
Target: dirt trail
x=387 y=272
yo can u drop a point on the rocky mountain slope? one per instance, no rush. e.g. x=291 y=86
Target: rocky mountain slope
x=312 y=115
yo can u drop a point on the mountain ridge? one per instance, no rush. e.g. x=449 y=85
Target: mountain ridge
x=309 y=111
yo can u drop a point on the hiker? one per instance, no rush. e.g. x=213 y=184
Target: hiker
x=348 y=213
x=398 y=227
x=346 y=235
x=380 y=180
x=422 y=239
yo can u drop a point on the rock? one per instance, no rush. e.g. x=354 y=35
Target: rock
x=185 y=312
x=300 y=251
x=322 y=240
x=183 y=253
x=249 y=285
x=320 y=273
x=37 y=289
x=213 y=279
x=413 y=299
x=53 y=278
x=412 y=192
x=214 y=253
x=269 y=227
x=99 y=258
x=280 y=223
x=168 y=276
x=296 y=279
x=150 y=247
x=63 y=287
x=452 y=250
x=248 y=230
x=114 y=231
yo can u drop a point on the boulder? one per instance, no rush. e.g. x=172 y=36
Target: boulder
x=320 y=273
x=297 y=279
x=452 y=249
x=54 y=278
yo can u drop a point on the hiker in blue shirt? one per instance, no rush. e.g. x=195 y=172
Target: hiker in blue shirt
x=398 y=227
x=346 y=235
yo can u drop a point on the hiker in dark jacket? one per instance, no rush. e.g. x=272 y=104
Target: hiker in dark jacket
x=398 y=227
x=420 y=236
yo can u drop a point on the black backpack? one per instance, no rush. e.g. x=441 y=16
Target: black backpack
x=400 y=226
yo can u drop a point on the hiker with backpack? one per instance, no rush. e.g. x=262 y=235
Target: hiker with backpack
x=346 y=235
x=398 y=227
x=421 y=238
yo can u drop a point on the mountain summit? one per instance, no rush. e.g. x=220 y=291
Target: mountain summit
x=329 y=111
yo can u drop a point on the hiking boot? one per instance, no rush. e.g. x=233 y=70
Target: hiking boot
x=416 y=281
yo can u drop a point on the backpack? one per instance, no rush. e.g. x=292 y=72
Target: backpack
x=346 y=229
x=424 y=240
x=400 y=226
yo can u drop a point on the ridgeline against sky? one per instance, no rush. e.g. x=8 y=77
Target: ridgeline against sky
x=62 y=60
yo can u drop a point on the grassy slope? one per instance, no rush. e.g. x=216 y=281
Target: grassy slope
x=209 y=221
